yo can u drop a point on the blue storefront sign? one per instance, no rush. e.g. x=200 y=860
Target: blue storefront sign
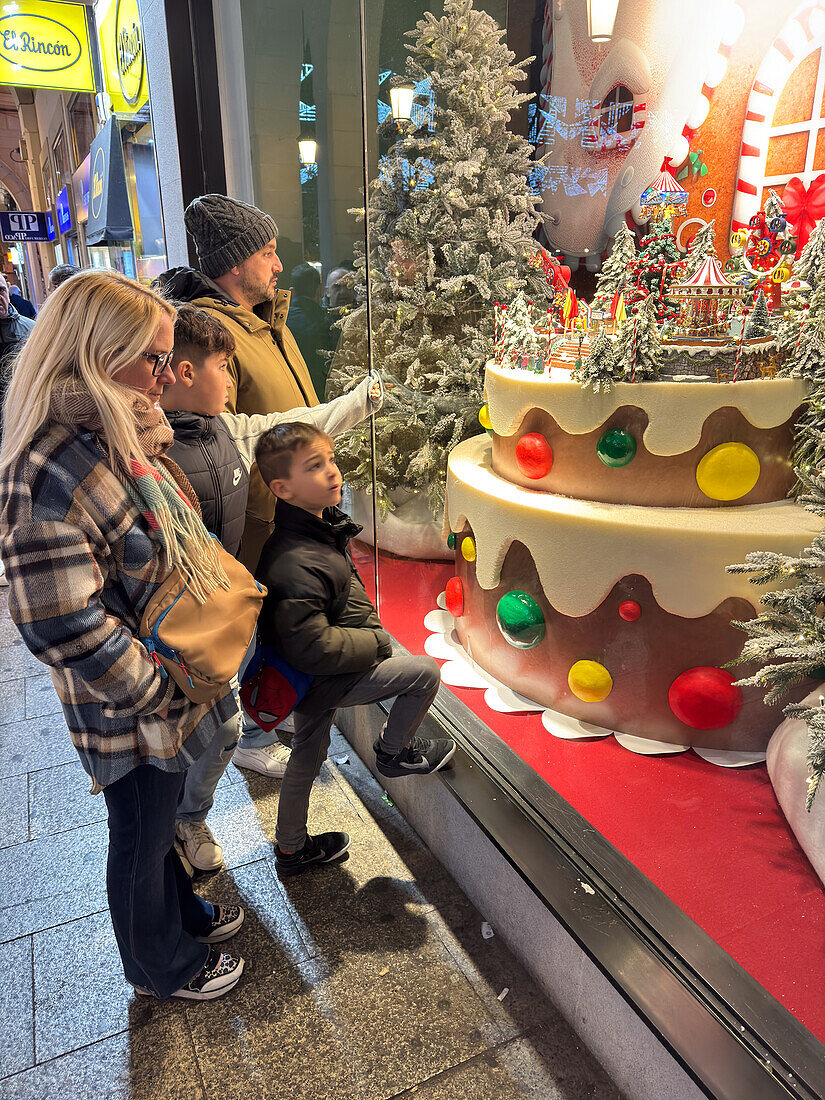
x=21 y=225
x=64 y=212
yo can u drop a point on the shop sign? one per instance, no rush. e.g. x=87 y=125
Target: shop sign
x=64 y=212
x=50 y=229
x=109 y=216
x=124 y=58
x=22 y=225
x=80 y=187
x=45 y=44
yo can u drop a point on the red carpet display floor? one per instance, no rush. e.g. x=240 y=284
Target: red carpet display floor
x=713 y=839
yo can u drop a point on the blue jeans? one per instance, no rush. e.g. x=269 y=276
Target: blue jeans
x=155 y=912
x=203 y=776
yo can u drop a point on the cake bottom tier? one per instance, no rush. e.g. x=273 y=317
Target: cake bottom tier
x=635 y=651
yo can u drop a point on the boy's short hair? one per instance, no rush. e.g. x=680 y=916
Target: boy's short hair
x=275 y=448
x=198 y=334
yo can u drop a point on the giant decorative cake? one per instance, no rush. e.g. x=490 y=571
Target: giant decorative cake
x=592 y=534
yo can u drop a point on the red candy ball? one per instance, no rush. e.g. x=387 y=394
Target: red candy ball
x=454 y=597
x=534 y=455
x=629 y=610
x=705 y=698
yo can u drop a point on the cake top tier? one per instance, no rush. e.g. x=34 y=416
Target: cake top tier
x=676 y=411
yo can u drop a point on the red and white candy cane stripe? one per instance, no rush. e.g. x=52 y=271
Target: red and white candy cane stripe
x=800 y=36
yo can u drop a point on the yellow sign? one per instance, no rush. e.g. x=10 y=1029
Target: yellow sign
x=124 y=58
x=45 y=44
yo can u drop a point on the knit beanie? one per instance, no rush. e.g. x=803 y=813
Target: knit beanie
x=226 y=231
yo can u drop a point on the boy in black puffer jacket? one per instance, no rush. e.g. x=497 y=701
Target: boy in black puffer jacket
x=215 y=451
x=319 y=619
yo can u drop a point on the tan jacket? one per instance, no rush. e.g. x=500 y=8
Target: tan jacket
x=268 y=373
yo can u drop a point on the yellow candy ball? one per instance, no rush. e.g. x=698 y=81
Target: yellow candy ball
x=468 y=549
x=484 y=417
x=728 y=472
x=590 y=681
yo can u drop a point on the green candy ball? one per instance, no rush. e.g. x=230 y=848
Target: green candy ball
x=616 y=448
x=520 y=620
x=451 y=540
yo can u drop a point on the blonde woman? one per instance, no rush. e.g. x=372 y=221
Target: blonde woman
x=92 y=519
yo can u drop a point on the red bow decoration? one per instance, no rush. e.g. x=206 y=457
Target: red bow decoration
x=803 y=209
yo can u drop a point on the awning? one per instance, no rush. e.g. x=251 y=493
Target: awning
x=110 y=219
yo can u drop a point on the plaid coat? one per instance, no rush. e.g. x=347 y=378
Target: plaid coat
x=82 y=564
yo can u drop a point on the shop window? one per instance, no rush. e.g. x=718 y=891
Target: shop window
x=82 y=116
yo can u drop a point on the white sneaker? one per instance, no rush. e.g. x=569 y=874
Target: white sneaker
x=4 y=580
x=271 y=760
x=202 y=850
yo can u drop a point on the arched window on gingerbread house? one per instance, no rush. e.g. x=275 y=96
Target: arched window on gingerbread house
x=784 y=131
x=796 y=141
x=616 y=111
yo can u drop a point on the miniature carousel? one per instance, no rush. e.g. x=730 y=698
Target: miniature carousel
x=703 y=341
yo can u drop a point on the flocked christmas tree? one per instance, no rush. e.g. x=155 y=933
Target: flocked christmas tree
x=698 y=249
x=658 y=264
x=616 y=269
x=518 y=335
x=601 y=367
x=787 y=640
x=452 y=221
x=759 y=323
x=639 y=346
x=810 y=266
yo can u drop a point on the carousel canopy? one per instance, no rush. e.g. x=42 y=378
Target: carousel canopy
x=709 y=281
x=664 y=191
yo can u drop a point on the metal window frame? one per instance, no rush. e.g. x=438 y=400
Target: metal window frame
x=734 y=1039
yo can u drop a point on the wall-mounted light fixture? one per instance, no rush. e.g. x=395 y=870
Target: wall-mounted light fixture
x=401 y=101
x=307 y=150
x=601 y=15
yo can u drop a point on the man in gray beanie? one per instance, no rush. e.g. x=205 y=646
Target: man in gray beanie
x=237 y=283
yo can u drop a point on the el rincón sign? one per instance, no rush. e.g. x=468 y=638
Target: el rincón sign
x=46 y=44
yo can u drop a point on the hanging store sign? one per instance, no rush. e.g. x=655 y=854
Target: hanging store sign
x=22 y=225
x=80 y=187
x=109 y=216
x=124 y=58
x=64 y=212
x=46 y=44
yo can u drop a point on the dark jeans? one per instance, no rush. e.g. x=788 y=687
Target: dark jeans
x=155 y=912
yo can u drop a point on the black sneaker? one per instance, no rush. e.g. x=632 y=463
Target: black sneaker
x=420 y=757
x=226 y=922
x=323 y=848
x=220 y=973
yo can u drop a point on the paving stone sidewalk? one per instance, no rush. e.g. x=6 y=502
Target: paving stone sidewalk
x=365 y=980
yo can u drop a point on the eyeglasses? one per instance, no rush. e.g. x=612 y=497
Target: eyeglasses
x=159 y=361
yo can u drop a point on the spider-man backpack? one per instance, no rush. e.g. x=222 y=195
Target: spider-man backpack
x=271 y=688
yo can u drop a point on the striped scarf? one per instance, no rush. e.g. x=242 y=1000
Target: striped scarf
x=158 y=487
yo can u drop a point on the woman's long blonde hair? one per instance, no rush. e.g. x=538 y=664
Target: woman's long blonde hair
x=91 y=327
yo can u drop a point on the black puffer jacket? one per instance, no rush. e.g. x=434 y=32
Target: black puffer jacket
x=206 y=452
x=317 y=615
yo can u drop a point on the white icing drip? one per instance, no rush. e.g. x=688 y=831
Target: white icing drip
x=676 y=411
x=582 y=548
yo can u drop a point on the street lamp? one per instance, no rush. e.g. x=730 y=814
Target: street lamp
x=601 y=15
x=307 y=150
x=401 y=101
